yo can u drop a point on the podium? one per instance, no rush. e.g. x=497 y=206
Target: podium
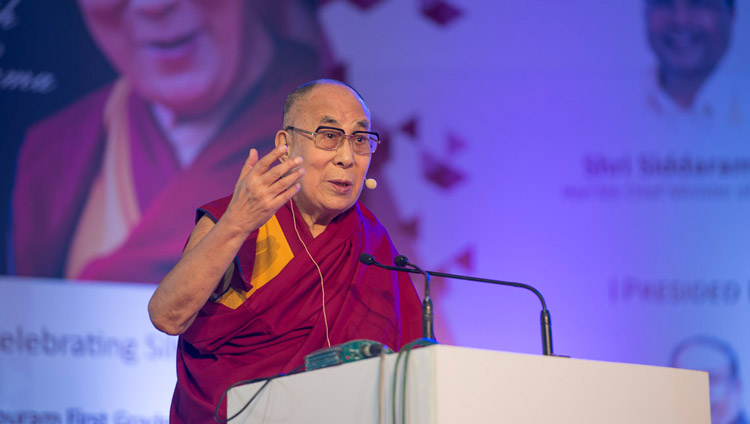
x=448 y=384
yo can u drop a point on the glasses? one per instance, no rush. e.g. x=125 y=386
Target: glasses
x=330 y=138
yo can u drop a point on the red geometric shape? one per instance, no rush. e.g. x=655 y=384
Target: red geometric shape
x=466 y=258
x=456 y=143
x=440 y=12
x=410 y=227
x=383 y=154
x=364 y=4
x=410 y=127
x=439 y=173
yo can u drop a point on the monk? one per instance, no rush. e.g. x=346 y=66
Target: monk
x=271 y=273
x=104 y=188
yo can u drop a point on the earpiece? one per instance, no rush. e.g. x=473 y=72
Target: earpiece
x=371 y=183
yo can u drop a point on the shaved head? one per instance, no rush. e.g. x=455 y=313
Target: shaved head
x=302 y=92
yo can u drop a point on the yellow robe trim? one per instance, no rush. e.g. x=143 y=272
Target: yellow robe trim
x=272 y=254
x=111 y=210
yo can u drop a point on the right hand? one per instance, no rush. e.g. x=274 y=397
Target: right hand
x=262 y=189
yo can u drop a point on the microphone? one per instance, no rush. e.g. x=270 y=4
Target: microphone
x=546 y=322
x=427 y=315
x=428 y=331
x=371 y=183
x=368 y=259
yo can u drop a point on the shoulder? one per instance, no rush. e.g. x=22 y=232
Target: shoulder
x=214 y=209
x=67 y=145
x=370 y=223
x=69 y=136
x=75 y=118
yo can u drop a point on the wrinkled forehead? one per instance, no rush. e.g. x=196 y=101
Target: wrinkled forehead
x=334 y=105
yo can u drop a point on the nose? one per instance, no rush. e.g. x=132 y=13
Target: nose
x=345 y=153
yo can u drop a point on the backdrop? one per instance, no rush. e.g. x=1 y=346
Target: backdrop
x=566 y=145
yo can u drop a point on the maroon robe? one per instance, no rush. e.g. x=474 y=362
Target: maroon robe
x=282 y=321
x=61 y=156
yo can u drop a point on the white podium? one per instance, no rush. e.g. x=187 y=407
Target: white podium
x=448 y=384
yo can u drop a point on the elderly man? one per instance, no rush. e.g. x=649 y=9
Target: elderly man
x=689 y=39
x=102 y=187
x=271 y=273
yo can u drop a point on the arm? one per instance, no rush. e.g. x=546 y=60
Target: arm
x=260 y=191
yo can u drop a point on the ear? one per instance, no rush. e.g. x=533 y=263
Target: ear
x=282 y=139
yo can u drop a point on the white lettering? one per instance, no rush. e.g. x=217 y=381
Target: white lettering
x=27 y=81
x=8 y=17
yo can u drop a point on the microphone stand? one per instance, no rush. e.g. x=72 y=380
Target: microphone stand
x=428 y=331
x=546 y=322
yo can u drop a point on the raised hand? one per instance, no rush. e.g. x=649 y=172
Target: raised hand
x=262 y=189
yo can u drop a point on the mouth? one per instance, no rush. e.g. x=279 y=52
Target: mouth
x=173 y=41
x=682 y=40
x=174 y=44
x=342 y=186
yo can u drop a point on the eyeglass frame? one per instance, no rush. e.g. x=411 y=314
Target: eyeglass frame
x=344 y=135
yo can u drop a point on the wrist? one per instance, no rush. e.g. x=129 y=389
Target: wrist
x=233 y=227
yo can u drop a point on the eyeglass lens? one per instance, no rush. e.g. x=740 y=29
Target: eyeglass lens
x=330 y=139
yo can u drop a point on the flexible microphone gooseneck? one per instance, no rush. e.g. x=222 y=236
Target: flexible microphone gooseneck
x=546 y=322
x=428 y=331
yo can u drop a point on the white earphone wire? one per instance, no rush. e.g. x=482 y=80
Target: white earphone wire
x=320 y=273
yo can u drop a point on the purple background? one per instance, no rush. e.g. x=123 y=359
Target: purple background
x=500 y=118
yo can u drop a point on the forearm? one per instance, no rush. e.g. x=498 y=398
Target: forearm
x=260 y=191
x=189 y=285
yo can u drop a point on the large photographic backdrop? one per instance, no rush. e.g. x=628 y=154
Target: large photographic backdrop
x=596 y=150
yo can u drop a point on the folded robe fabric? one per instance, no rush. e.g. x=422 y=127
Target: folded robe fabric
x=271 y=329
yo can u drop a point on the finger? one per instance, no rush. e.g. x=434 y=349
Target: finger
x=250 y=162
x=262 y=166
x=287 y=194
x=274 y=200
x=284 y=183
x=283 y=169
